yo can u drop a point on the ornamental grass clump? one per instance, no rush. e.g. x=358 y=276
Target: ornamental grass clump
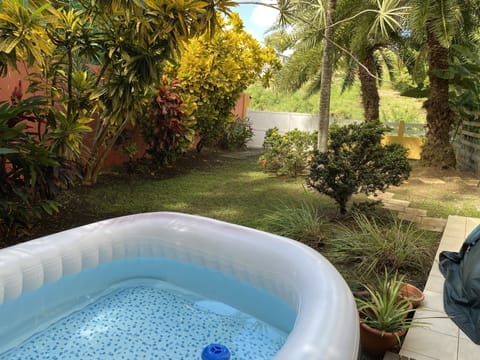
x=302 y=222
x=369 y=245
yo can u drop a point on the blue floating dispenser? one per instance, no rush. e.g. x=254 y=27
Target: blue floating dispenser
x=216 y=352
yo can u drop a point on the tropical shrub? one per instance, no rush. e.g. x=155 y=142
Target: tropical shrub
x=168 y=127
x=371 y=245
x=288 y=154
x=28 y=168
x=236 y=134
x=215 y=71
x=464 y=74
x=357 y=162
x=129 y=42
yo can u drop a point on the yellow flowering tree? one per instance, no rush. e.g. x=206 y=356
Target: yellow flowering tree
x=215 y=71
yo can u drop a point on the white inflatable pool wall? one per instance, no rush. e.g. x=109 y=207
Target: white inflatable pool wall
x=326 y=325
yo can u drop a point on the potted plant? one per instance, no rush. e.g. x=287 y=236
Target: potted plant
x=383 y=315
x=414 y=294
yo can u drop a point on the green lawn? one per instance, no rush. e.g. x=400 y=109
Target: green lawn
x=232 y=190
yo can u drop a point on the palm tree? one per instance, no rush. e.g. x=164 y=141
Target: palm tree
x=362 y=28
x=326 y=79
x=439 y=24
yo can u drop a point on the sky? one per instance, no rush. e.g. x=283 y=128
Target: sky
x=257 y=19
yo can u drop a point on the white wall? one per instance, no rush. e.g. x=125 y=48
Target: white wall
x=263 y=120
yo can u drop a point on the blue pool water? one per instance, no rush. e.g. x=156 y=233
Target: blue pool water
x=143 y=308
x=151 y=319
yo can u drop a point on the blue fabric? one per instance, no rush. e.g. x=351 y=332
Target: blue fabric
x=461 y=293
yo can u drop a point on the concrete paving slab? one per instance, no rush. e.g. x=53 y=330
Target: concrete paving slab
x=467 y=350
x=431 y=181
x=435 y=282
x=416 y=356
x=419 y=212
x=383 y=195
x=432 y=224
x=472 y=182
x=404 y=203
x=427 y=343
x=409 y=217
x=435 y=321
x=442 y=339
x=470 y=225
x=395 y=205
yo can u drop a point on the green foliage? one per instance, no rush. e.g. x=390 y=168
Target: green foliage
x=236 y=134
x=463 y=74
x=357 y=162
x=343 y=105
x=66 y=132
x=216 y=70
x=371 y=245
x=29 y=169
x=168 y=127
x=22 y=35
x=288 y=154
x=304 y=222
x=404 y=114
x=384 y=308
x=99 y=59
x=269 y=99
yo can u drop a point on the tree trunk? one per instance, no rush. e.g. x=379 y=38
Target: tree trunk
x=102 y=145
x=368 y=87
x=326 y=80
x=437 y=150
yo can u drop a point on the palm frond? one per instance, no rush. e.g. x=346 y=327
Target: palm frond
x=387 y=19
x=388 y=58
x=350 y=75
x=314 y=84
x=299 y=69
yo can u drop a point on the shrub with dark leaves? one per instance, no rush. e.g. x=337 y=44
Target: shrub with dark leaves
x=168 y=128
x=357 y=162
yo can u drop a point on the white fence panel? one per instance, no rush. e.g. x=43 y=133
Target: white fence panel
x=262 y=121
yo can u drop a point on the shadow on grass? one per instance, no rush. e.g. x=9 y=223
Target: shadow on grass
x=235 y=191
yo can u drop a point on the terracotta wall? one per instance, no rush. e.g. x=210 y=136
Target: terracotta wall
x=242 y=105
x=8 y=83
x=116 y=155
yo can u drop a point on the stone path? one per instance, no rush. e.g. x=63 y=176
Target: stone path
x=405 y=212
x=439 y=338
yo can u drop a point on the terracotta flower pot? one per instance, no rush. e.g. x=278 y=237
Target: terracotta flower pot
x=375 y=343
x=414 y=293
